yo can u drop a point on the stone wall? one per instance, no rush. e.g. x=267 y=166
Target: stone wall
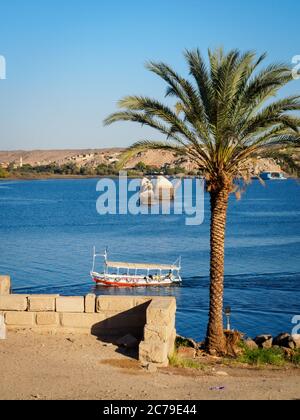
x=151 y=320
x=4 y=285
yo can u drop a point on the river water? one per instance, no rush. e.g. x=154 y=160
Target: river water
x=48 y=229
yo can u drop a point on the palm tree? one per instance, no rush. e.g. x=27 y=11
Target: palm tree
x=223 y=115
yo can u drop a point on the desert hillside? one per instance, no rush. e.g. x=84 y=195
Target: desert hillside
x=46 y=157
x=95 y=157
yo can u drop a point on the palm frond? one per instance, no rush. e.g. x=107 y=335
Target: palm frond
x=225 y=112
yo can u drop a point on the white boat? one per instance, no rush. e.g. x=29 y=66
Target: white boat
x=156 y=190
x=277 y=176
x=124 y=274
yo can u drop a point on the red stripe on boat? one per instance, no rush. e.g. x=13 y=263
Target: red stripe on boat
x=119 y=284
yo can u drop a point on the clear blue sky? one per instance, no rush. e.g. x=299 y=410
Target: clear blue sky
x=69 y=61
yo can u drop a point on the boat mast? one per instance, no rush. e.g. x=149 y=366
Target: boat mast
x=105 y=260
x=94 y=257
x=177 y=263
x=99 y=255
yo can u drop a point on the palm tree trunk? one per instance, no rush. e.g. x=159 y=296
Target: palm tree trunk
x=215 y=339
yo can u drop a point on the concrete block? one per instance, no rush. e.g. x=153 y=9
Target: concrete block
x=161 y=311
x=5 y=285
x=70 y=304
x=171 y=342
x=39 y=303
x=124 y=319
x=162 y=304
x=90 y=303
x=163 y=319
x=153 y=352
x=157 y=332
x=47 y=318
x=77 y=320
x=20 y=319
x=141 y=300
x=114 y=303
x=13 y=302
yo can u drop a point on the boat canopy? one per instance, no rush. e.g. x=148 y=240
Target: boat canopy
x=141 y=266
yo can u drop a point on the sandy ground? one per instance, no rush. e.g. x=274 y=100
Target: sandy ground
x=42 y=366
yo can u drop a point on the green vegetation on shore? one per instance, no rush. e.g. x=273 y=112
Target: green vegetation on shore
x=176 y=361
x=3 y=173
x=28 y=171
x=276 y=356
x=71 y=169
x=259 y=357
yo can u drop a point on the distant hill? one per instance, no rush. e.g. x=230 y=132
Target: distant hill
x=45 y=157
x=94 y=157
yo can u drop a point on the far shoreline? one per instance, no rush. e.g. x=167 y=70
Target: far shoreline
x=56 y=177
x=78 y=177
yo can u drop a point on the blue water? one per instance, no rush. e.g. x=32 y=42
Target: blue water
x=48 y=229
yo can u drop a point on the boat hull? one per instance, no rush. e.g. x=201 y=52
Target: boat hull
x=272 y=176
x=131 y=281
